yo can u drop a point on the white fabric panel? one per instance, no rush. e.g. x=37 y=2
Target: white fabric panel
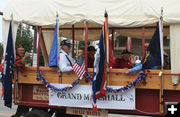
x=175 y=53
x=171 y=11
x=48 y=38
x=126 y=13
x=5 y=28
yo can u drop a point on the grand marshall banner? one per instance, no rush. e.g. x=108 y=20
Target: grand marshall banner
x=80 y=96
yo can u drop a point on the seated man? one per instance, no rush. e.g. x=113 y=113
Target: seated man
x=125 y=60
x=90 y=56
x=65 y=65
x=20 y=64
x=66 y=61
x=21 y=57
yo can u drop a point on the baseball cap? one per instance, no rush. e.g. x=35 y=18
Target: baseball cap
x=126 y=52
x=66 y=42
x=91 y=48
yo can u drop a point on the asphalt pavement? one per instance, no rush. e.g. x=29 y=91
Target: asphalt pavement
x=5 y=111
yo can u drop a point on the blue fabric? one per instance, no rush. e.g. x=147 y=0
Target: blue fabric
x=138 y=67
x=7 y=72
x=53 y=55
x=154 y=58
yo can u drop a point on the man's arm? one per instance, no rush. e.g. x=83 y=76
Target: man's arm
x=135 y=69
x=23 y=60
x=63 y=65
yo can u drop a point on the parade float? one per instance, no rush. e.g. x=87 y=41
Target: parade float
x=134 y=93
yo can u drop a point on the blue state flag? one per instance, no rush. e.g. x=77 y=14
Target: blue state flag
x=99 y=72
x=7 y=71
x=153 y=53
x=53 y=55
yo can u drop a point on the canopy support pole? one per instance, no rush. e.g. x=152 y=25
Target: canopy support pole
x=86 y=38
x=46 y=58
x=143 y=42
x=73 y=38
x=40 y=31
x=112 y=41
x=162 y=62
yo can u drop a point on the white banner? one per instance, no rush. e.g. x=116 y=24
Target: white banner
x=80 y=96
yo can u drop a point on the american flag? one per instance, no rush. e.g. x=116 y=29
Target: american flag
x=79 y=67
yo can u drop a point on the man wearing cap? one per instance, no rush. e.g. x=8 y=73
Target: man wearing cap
x=91 y=52
x=20 y=64
x=125 y=60
x=66 y=61
x=65 y=65
x=21 y=57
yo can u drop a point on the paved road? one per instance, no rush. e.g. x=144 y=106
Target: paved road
x=5 y=111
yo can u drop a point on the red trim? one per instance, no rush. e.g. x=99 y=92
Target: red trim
x=40 y=31
x=112 y=41
x=45 y=50
x=128 y=44
x=143 y=42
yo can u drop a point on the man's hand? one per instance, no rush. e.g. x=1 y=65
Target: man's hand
x=126 y=72
x=27 y=54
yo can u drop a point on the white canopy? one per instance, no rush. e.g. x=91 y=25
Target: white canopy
x=122 y=13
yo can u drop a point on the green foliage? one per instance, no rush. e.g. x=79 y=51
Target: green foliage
x=24 y=37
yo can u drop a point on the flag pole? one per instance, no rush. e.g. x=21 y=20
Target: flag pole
x=57 y=21
x=59 y=43
x=16 y=80
x=162 y=61
x=107 y=45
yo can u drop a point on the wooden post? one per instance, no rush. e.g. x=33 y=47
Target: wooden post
x=143 y=42
x=86 y=38
x=35 y=40
x=73 y=38
x=112 y=42
x=43 y=47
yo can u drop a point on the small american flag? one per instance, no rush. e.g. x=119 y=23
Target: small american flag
x=78 y=68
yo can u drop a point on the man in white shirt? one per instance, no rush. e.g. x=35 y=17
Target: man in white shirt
x=66 y=61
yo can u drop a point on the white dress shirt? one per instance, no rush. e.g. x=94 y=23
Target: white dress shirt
x=64 y=63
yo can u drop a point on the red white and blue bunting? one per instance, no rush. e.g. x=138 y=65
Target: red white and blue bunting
x=124 y=88
x=40 y=76
x=88 y=76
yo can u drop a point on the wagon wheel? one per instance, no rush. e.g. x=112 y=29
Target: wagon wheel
x=37 y=113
